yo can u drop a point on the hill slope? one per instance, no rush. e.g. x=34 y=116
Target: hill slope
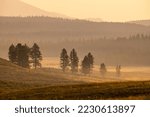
x=56 y=28
x=15 y=78
x=12 y=73
x=20 y=83
x=19 y=8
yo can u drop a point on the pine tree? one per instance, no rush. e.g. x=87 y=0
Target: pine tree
x=91 y=61
x=26 y=54
x=64 y=59
x=103 y=69
x=36 y=56
x=12 y=53
x=19 y=54
x=86 y=65
x=22 y=55
x=74 y=61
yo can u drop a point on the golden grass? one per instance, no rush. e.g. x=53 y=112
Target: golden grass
x=90 y=91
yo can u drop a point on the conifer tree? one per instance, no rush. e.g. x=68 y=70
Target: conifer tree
x=19 y=54
x=26 y=54
x=12 y=53
x=103 y=69
x=74 y=61
x=91 y=61
x=64 y=59
x=85 y=65
x=22 y=55
x=36 y=55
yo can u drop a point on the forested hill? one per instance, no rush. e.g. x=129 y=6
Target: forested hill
x=56 y=28
x=53 y=34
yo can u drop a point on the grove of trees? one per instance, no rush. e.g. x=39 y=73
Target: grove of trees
x=73 y=62
x=27 y=57
x=24 y=56
x=87 y=64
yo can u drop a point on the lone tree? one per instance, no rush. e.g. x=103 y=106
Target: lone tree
x=64 y=59
x=103 y=69
x=85 y=65
x=12 y=54
x=91 y=61
x=74 y=61
x=36 y=56
x=22 y=55
x=118 y=70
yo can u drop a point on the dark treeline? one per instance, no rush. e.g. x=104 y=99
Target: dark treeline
x=135 y=37
x=56 y=28
x=24 y=56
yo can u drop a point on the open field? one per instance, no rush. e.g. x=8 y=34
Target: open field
x=117 y=90
x=52 y=83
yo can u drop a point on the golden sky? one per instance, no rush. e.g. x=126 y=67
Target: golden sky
x=107 y=10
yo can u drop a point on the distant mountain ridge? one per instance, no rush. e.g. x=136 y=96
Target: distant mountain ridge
x=20 y=8
x=59 y=28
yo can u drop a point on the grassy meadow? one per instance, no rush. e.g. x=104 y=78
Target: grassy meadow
x=52 y=83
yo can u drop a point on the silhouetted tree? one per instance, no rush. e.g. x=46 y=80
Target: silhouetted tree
x=64 y=59
x=74 y=61
x=103 y=69
x=12 y=53
x=22 y=55
x=36 y=55
x=26 y=51
x=85 y=65
x=91 y=61
x=19 y=54
x=118 y=70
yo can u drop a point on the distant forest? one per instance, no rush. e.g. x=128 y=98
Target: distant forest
x=132 y=51
x=47 y=28
x=111 y=43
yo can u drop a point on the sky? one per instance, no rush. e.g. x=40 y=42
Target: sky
x=107 y=10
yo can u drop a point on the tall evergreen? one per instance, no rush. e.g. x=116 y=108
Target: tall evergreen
x=74 y=61
x=22 y=55
x=85 y=65
x=91 y=61
x=19 y=54
x=26 y=51
x=12 y=53
x=64 y=59
x=36 y=55
x=103 y=69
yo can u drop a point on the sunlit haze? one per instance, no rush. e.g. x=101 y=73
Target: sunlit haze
x=107 y=10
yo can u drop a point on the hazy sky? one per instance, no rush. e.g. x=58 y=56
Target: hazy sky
x=109 y=10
